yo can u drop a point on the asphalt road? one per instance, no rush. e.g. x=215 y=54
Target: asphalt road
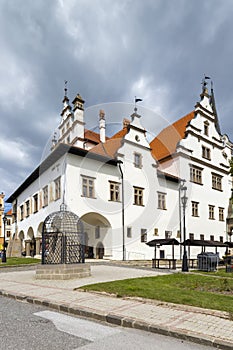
x=25 y=326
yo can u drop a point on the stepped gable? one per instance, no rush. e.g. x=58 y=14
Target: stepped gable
x=164 y=145
x=111 y=146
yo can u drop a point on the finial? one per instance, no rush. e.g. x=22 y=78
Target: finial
x=65 y=88
x=135 y=101
x=204 y=82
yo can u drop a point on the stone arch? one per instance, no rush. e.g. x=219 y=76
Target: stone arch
x=98 y=235
x=30 y=243
x=21 y=237
x=39 y=230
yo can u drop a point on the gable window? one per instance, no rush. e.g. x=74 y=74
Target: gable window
x=143 y=235
x=161 y=200
x=45 y=196
x=211 y=212
x=217 y=182
x=221 y=214
x=129 y=232
x=206 y=128
x=206 y=152
x=191 y=236
x=88 y=189
x=195 y=174
x=202 y=237
x=195 y=209
x=35 y=203
x=212 y=237
x=168 y=234
x=138 y=196
x=114 y=191
x=27 y=208
x=137 y=160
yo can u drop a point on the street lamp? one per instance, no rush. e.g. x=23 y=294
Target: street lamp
x=4 y=240
x=184 y=200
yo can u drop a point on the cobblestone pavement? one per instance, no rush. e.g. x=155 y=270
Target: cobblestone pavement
x=191 y=323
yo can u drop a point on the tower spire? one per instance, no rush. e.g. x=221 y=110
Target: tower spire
x=213 y=105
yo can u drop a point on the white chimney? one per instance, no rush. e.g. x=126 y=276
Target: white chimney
x=102 y=125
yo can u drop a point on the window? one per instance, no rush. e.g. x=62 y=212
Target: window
x=8 y=222
x=221 y=239
x=21 y=212
x=143 y=235
x=161 y=200
x=129 y=232
x=221 y=214
x=212 y=237
x=114 y=191
x=195 y=209
x=195 y=174
x=202 y=237
x=168 y=234
x=205 y=152
x=156 y=231
x=57 y=183
x=206 y=128
x=191 y=236
x=35 y=203
x=97 y=232
x=211 y=212
x=178 y=234
x=137 y=160
x=8 y=234
x=27 y=208
x=138 y=196
x=88 y=187
x=45 y=196
x=217 y=182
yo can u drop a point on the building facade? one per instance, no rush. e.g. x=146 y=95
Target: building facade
x=126 y=190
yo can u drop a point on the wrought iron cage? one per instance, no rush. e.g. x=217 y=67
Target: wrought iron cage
x=62 y=239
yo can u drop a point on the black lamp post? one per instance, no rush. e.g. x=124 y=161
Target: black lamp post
x=4 y=240
x=184 y=200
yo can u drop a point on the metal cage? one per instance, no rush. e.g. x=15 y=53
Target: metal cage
x=62 y=238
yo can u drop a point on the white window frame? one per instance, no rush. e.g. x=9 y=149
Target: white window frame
x=114 y=188
x=88 y=186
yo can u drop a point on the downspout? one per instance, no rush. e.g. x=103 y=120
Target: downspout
x=119 y=162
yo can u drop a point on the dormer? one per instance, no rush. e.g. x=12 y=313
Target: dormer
x=137 y=133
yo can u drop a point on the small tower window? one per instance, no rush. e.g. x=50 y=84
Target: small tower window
x=206 y=128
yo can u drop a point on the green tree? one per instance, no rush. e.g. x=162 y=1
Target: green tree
x=231 y=166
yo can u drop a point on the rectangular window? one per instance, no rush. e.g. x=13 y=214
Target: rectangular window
x=8 y=222
x=221 y=239
x=178 y=234
x=195 y=175
x=129 y=232
x=202 y=237
x=206 y=152
x=8 y=234
x=27 y=208
x=143 y=235
x=21 y=212
x=168 y=234
x=156 y=231
x=35 y=203
x=97 y=232
x=45 y=196
x=137 y=160
x=161 y=200
x=191 y=236
x=138 y=196
x=221 y=214
x=206 y=128
x=195 y=209
x=88 y=187
x=212 y=237
x=57 y=183
x=211 y=212
x=217 y=182
x=114 y=191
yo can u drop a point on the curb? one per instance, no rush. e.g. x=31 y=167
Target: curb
x=122 y=321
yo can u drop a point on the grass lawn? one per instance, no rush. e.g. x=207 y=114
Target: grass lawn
x=189 y=289
x=19 y=261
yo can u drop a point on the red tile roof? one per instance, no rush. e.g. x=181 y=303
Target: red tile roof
x=9 y=212
x=166 y=142
x=92 y=136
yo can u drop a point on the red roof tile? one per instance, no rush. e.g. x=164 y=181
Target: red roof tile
x=166 y=142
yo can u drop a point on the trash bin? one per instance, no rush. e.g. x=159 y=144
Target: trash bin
x=207 y=261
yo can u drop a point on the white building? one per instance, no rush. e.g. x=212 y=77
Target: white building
x=127 y=191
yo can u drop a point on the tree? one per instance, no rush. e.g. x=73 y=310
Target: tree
x=231 y=166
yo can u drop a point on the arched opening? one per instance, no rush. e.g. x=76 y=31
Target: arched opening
x=98 y=236
x=30 y=243
x=22 y=245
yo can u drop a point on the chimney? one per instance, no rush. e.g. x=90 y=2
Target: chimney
x=102 y=125
x=126 y=122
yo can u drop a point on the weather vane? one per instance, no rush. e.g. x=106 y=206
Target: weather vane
x=65 y=89
x=204 y=82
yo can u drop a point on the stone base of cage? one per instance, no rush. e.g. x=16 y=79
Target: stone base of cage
x=63 y=271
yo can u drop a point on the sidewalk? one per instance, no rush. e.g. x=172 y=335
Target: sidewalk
x=199 y=325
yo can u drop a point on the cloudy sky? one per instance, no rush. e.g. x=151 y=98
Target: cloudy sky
x=108 y=51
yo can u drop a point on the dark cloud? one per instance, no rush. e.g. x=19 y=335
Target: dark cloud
x=109 y=51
